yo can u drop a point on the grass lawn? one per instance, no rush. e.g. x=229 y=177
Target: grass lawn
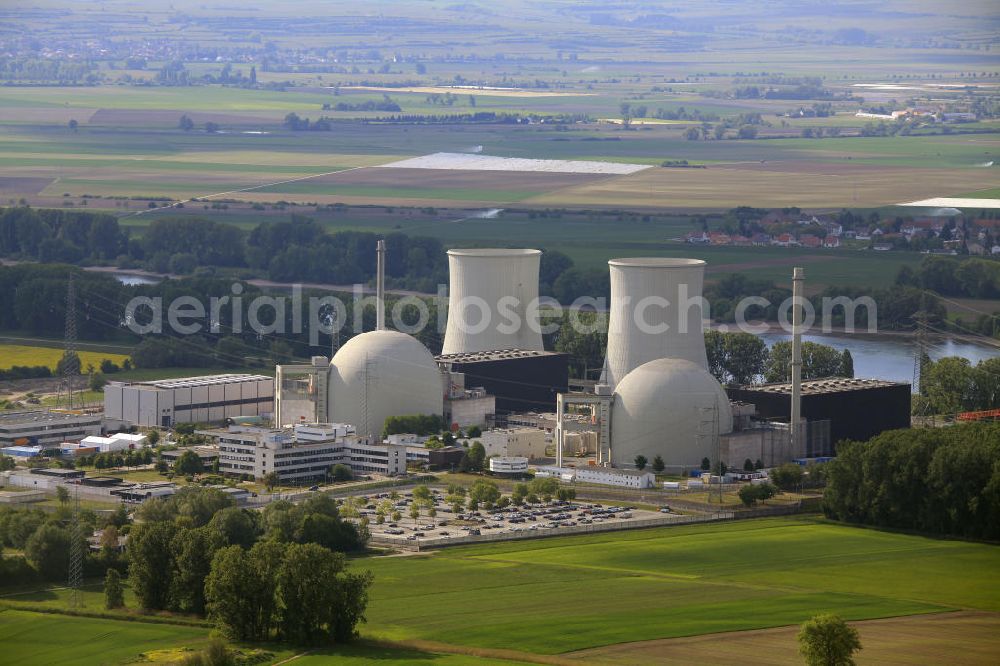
x=41 y=638
x=562 y=594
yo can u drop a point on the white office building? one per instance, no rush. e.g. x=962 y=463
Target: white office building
x=303 y=453
x=208 y=399
x=509 y=465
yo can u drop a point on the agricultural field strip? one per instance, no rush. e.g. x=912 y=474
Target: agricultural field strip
x=950 y=202
x=244 y=189
x=470 y=90
x=476 y=162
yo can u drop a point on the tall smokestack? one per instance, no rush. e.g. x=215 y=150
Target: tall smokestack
x=656 y=312
x=380 y=289
x=490 y=298
x=798 y=276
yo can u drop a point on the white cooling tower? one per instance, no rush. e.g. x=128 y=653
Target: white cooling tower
x=656 y=312
x=491 y=293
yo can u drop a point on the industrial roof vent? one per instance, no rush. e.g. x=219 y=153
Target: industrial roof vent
x=492 y=291
x=656 y=312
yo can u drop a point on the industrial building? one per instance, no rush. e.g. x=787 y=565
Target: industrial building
x=603 y=476
x=209 y=399
x=46 y=428
x=301 y=392
x=119 y=441
x=520 y=380
x=857 y=409
x=528 y=443
x=466 y=407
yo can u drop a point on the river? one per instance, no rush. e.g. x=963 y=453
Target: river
x=891 y=357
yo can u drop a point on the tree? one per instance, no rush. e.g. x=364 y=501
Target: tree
x=818 y=361
x=747 y=465
x=185 y=123
x=47 y=550
x=752 y=493
x=240 y=590
x=826 y=640
x=62 y=495
x=520 y=492
x=7 y=463
x=475 y=431
x=485 y=492
x=692 y=134
x=234 y=526
x=114 y=592
x=271 y=481
x=319 y=604
x=706 y=464
x=73 y=124
x=415 y=512
x=640 y=462
x=151 y=563
x=846 y=364
x=477 y=457
x=96 y=381
x=188 y=463
x=422 y=493
x=659 y=465
x=787 y=477
x=211 y=127
x=341 y=472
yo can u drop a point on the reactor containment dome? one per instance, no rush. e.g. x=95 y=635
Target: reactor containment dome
x=492 y=295
x=381 y=374
x=672 y=408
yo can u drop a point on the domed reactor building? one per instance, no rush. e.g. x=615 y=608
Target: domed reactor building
x=376 y=375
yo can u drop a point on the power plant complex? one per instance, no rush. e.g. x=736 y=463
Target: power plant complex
x=655 y=398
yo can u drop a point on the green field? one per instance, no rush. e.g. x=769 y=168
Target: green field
x=553 y=596
x=562 y=594
x=24 y=355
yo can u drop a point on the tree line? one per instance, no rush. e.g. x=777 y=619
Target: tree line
x=953 y=384
x=275 y=575
x=971 y=277
x=939 y=481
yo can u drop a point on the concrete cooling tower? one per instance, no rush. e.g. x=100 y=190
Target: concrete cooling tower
x=655 y=313
x=490 y=292
x=381 y=374
x=671 y=408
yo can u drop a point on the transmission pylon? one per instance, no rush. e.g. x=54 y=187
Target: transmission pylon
x=69 y=368
x=75 y=581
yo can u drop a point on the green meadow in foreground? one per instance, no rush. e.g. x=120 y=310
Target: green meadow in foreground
x=561 y=594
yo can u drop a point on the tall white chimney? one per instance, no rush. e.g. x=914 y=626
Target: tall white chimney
x=798 y=276
x=488 y=304
x=380 y=289
x=656 y=311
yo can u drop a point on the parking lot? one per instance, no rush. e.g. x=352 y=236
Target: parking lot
x=545 y=518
